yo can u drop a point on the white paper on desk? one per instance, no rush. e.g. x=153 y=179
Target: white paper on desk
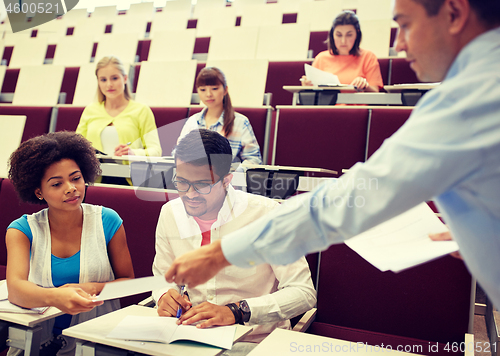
x=8 y=307
x=403 y=242
x=319 y=77
x=130 y=287
x=165 y=330
x=4 y=293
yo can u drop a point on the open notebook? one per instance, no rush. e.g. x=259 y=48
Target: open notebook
x=165 y=330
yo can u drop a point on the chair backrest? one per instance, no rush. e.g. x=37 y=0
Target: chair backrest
x=215 y=18
x=10 y=138
x=376 y=36
x=169 y=20
x=28 y=52
x=233 y=43
x=401 y=73
x=318 y=15
x=37 y=118
x=172 y=45
x=38 y=85
x=3 y=70
x=86 y=85
x=72 y=17
x=331 y=138
x=11 y=209
x=73 y=51
x=246 y=87
x=134 y=206
x=384 y=64
x=283 y=42
x=121 y=45
x=280 y=74
x=94 y=26
x=183 y=6
x=261 y=15
x=372 y=10
x=169 y=122
x=68 y=117
x=104 y=11
x=427 y=302
x=144 y=9
x=130 y=23
x=166 y=83
x=383 y=123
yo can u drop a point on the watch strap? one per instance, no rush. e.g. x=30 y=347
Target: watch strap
x=236 y=313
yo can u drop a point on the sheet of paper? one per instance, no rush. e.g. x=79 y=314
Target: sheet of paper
x=319 y=77
x=8 y=307
x=4 y=294
x=130 y=287
x=403 y=242
x=165 y=329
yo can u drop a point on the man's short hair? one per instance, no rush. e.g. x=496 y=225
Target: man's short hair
x=204 y=147
x=487 y=10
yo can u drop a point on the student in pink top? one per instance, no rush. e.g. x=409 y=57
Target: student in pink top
x=353 y=65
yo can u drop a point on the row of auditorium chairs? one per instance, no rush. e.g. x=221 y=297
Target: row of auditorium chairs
x=333 y=138
x=287 y=42
x=172 y=83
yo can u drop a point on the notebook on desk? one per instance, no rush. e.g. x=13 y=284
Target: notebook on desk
x=166 y=330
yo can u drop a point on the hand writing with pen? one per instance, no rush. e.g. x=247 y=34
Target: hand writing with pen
x=171 y=301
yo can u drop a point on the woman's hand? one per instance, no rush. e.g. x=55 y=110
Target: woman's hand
x=73 y=300
x=305 y=82
x=122 y=150
x=360 y=83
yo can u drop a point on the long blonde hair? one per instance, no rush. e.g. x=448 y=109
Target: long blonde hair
x=114 y=61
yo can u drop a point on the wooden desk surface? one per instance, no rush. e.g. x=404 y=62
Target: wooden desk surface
x=95 y=330
x=286 y=342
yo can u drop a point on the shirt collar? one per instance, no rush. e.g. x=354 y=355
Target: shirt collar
x=477 y=49
x=202 y=122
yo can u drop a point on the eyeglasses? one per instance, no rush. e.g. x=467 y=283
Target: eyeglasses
x=202 y=188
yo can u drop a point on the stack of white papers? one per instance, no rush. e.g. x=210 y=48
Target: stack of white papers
x=130 y=287
x=403 y=242
x=166 y=330
x=319 y=77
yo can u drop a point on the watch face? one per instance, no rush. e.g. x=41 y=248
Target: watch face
x=244 y=306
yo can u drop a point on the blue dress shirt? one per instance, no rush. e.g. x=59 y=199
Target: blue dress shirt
x=448 y=150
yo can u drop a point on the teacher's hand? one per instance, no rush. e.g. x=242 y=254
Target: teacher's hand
x=198 y=266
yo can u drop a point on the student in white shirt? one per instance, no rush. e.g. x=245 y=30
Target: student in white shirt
x=208 y=208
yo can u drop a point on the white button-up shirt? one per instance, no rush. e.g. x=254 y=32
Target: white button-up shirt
x=274 y=293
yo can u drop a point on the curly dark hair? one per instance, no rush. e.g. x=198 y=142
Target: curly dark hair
x=32 y=158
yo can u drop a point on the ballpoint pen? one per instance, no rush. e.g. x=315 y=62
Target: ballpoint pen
x=179 y=310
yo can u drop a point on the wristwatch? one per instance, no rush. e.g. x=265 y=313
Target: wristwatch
x=245 y=311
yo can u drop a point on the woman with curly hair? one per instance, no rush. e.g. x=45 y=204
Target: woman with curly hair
x=64 y=254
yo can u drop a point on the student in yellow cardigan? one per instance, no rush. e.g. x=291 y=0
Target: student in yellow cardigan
x=116 y=124
x=115 y=119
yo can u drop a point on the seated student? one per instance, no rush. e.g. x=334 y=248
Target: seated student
x=220 y=116
x=208 y=209
x=116 y=124
x=64 y=254
x=353 y=65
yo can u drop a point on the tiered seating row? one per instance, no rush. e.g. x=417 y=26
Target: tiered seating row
x=333 y=138
x=279 y=74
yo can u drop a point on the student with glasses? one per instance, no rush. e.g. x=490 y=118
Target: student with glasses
x=207 y=209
